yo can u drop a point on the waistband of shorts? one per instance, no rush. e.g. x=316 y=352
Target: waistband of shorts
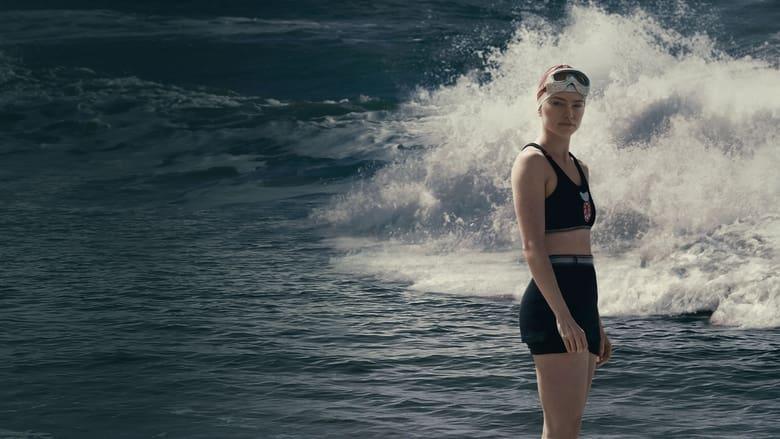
x=572 y=259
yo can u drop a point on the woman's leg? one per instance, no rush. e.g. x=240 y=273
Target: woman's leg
x=564 y=381
x=591 y=371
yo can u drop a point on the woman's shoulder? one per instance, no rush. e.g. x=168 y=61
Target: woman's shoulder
x=532 y=147
x=530 y=150
x=529 y=159
x=529 y=154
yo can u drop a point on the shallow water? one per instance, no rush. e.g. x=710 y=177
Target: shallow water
x=250 y=221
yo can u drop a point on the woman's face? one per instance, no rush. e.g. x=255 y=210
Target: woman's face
x=562 y=113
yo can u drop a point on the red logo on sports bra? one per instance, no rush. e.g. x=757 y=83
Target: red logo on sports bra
x=585 y=205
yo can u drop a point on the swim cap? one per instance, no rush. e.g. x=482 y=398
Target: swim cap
x=560 y=78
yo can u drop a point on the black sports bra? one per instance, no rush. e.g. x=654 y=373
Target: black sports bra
x=569 y=207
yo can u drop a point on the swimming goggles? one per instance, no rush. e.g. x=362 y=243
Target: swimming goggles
x=566 y=79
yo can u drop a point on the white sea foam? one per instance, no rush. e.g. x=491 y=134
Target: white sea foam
x=682 y=144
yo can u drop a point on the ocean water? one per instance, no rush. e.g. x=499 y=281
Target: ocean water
x=265 y=220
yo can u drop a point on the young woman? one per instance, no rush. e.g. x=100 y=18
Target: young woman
x=559 y=317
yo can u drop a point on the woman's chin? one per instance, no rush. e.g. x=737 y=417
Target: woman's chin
x=565 y=130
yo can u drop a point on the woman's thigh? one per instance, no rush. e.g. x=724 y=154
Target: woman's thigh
x=564 y=381
x=591 y=372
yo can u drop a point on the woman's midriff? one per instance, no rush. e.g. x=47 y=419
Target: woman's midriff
x=570 y=242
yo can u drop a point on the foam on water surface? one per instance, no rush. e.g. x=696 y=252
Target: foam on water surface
x=681 y=141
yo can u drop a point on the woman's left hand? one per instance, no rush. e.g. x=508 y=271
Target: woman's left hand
x=605 y=349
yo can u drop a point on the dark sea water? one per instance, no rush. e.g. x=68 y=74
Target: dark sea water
x=293 y=220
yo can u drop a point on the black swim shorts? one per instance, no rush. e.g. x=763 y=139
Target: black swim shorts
x=576 y=278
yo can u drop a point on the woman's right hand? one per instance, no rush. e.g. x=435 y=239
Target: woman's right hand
x=573 y=336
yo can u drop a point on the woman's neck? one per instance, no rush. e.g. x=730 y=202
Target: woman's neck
x=555 y=145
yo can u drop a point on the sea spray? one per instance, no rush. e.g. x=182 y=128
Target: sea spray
x=680 y=139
